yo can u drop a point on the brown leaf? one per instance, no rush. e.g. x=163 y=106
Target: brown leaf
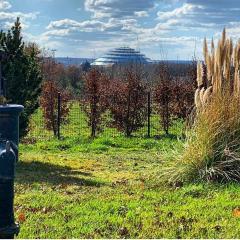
x=21 y=217
x=236 y=212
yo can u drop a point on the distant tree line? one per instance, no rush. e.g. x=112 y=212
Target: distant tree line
x=70 y=78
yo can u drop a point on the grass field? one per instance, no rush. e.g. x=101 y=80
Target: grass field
x=76 y=126
x=109 y=188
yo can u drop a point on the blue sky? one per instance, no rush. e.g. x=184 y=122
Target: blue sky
x=162 y=29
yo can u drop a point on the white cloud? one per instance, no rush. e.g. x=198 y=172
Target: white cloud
x=232 y=31
x=4 y=5
x=141 y=14
x=64 y=23
x=8 y=17
x=57 y=32
x=112 y=25
x=117 y=8
x=14 y=15
x=184 y=10
x=201 y=15
x=117 y=22
x=72 y=25
x=9 y=24
x=43 y=41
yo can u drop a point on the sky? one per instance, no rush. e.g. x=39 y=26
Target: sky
x=161 y=29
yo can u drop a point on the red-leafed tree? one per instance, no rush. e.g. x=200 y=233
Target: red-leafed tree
x=163 y=96
x=94 y=99
x=183 y=97
x=173 y=94
x=127 y=100
x=49 y=105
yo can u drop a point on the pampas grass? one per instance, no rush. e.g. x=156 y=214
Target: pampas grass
x=212 y=149
x=197 y=99
x=199 y=74
x=207 y=96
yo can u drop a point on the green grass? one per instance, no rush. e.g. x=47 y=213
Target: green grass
x=109 y=188
x=76 y=126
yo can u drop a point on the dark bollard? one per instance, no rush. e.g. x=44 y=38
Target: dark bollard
x=9 y=138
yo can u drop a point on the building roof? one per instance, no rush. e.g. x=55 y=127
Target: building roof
x=121 y=55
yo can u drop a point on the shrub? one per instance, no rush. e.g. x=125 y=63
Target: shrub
x=183 y=93
x=212 y=151
x=127 y=100
x=174 y=94
x=93 y=103
x=49 y=105
x=163 y=96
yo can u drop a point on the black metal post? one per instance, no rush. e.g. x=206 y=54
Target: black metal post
x=3 y=56
x=2 y=83
x=8 y=228
x=1 y=80
x=59 y=115
x=149 y=115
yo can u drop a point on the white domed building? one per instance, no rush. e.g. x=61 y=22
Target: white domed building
x=122 y=55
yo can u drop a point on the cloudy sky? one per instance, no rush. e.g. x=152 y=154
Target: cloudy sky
x=162 y=29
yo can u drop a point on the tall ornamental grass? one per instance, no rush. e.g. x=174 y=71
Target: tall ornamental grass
x=212 y=149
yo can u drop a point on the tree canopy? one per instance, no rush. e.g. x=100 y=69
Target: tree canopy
x=22 y=73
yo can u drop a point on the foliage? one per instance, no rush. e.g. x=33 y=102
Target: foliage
x=127 y=100
x=164 y=95
x=53 y=71
x=94 y=101
x=75 y=76
x=212 y=151
x=174 y=94
x=68 y=77
x=183 y=93
x=49 y=105
x=21 y=69
x=77 y=126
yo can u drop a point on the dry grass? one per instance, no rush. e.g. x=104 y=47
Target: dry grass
x=212 y=151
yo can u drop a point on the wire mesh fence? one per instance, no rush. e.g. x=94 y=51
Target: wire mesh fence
x=76 y=124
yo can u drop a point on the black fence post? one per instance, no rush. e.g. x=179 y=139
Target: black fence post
x=149 y=115
x=59 y=115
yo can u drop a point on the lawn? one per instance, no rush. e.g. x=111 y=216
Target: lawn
x=110 y=188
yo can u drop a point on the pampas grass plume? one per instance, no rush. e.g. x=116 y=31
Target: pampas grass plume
x=197 y=100
x=207 y=95
x=199 y=74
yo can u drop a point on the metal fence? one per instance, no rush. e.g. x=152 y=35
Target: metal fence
x=76 y=125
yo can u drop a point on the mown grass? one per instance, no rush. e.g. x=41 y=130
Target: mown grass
x=76 y=126
x=109 y=188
